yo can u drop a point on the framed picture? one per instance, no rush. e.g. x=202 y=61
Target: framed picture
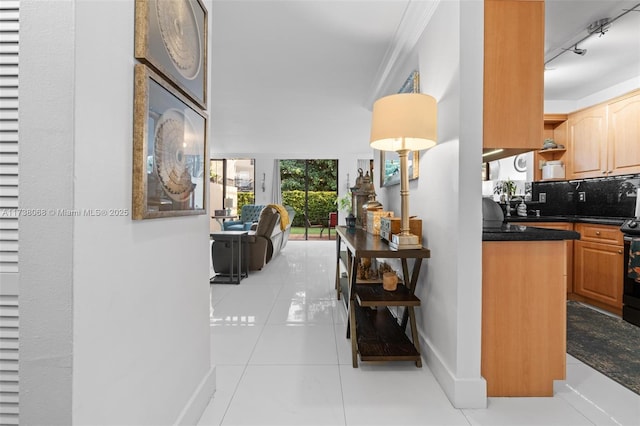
x=171 y=37
x=520 y=163
x=169 y=150
x=390 y=163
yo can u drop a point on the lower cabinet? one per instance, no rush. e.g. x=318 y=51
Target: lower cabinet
x=567 y=226
x=598 y=266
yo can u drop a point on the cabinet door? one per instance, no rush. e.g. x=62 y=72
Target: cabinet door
x=587 y=141
x=598 y=272
x=513 y=74
x=624 y=136
x=566 y=226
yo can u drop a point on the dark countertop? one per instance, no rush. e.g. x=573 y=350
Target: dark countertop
x=616 y=221
x=513 y=232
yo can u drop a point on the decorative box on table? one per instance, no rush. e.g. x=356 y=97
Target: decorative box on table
x=373 y=220
x=391 y=225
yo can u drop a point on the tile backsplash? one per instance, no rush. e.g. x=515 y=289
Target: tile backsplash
x=602 y=197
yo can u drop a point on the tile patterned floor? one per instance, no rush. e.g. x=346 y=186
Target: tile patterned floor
x=278 y=343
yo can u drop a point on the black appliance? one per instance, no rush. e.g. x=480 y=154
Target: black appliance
x=631 y=289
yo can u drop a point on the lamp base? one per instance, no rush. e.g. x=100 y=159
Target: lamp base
x=404 y=242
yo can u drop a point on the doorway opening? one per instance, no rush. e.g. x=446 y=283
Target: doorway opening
x=310 y=187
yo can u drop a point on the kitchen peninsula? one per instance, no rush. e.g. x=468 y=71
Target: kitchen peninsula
x=524 y=278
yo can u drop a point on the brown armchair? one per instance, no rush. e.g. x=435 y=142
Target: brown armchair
x=260 y=242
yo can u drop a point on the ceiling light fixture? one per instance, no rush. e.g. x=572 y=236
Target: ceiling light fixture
x=577 y=50
x=601 y=26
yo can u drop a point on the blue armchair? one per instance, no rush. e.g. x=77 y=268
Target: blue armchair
x=249 y=214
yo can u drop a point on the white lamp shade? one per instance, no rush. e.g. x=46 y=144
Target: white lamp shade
x=406 y=121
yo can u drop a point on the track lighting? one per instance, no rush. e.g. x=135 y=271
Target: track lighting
x=577 y=50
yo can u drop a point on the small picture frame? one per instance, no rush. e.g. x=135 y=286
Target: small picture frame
x=169 y=150
x=171 y=37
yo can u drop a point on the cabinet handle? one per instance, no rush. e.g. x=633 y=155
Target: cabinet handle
x=597 y=232
x=619 y=251
x=604 y=172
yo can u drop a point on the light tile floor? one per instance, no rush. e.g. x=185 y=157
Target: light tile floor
x=282 y=358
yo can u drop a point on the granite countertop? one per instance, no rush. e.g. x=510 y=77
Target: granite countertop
x=616 y=221
x=513 y=232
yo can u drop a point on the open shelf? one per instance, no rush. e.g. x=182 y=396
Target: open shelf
x=380 y=337
x=374 y=295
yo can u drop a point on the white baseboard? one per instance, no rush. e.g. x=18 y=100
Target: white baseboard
x=198 y=402
x=462 y=393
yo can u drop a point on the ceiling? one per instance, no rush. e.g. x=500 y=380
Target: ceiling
x=295 y=77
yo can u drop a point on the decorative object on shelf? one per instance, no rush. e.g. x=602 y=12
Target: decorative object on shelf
x=371 y=206
x=171 y=130
x=403 y=123
x=520 y=163
x=390 y=226
x=390 y=281
x=351 y=221
x=171 y=37
x=549 y=144
x=344 y=203
x=360 y=193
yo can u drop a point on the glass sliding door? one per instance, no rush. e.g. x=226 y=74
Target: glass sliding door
x=311 y=188
x=232 y=185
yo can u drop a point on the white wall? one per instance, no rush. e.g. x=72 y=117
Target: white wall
x=447 y=198
x=130 y=297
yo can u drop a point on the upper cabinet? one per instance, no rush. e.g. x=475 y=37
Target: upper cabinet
x=588 y=148
x=623 y=138
x=603 y=139
x=513 y=75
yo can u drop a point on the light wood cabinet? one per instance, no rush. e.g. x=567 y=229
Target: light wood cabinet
x=603 y=140
x=587 y=142
x=569 y=247
x=623 y=141
x=513 y=75
x=598 y=266
x=523 y=317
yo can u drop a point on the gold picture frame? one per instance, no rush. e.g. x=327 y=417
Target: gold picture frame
x=171 y=37
x=169 y=150
x=390 y=167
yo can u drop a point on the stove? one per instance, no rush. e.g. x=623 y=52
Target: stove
x=631 y=288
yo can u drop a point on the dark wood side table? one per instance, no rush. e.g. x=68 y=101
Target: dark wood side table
x=375 y=333
x=236 y=272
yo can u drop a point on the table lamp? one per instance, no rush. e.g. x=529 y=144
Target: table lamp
x=402 y=123
x=228 y=203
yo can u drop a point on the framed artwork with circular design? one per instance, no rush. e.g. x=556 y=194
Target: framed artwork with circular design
x=171 y=37
x=169 y=150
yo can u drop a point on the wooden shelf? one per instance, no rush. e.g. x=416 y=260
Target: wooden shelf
x=375 y=295
x=552 y=151
x=380 y=337
x=376 y=335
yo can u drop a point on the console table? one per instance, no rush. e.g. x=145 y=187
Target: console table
x=235 y=273
x=375 y=333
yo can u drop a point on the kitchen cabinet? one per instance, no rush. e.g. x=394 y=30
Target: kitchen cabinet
x=623 y=141
x=598 y=266
x=513 y=76
x=587 y=142
x=555 y=127
x=569 y=247
x=603 y=139
x=523 y=317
